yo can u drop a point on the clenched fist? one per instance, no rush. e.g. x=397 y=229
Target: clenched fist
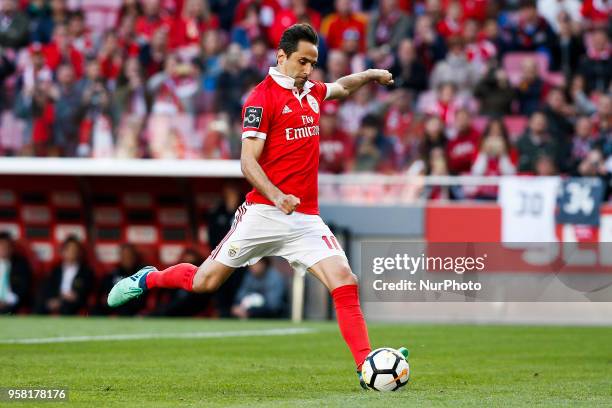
x=382 y=76
x=287 y=203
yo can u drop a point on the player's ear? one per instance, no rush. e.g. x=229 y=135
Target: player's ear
x=281 y=57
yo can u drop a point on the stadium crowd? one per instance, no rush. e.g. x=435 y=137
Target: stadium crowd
x=481 y=87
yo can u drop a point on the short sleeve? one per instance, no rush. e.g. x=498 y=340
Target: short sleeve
x=320 y=90
x=255 y=113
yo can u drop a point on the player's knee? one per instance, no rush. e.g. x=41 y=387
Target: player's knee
x=345 y=276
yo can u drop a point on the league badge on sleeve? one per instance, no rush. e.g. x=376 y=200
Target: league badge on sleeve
x=252 y=117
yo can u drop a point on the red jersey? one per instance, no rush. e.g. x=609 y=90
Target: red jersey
x=288 y=121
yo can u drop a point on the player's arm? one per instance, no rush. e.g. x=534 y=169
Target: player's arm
x=347 y=85
x=251 y=150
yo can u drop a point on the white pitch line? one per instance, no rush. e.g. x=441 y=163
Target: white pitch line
x=149 y=336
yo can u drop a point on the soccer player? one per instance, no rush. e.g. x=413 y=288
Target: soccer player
x=280 y=217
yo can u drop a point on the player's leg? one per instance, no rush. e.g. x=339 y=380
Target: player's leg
x=207 y=278
x=335 y=273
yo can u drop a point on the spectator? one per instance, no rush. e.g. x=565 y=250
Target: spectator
x=15 y=277
x=407 y=71
x=35 y=105
x=110 y=57
x=14 y=27
x=245 y=31
x=568 y=49
x=41 y=23
x=559 y=126
x=551 y=9
x=7 y=68
x=495 y=157
x=437 y=166
x=597 y=12
x=335 y=145
x=433 y=138
x=173 y=90
x=233 y=81
x=596 y=66
x=261 y=58
x=602 y=123
x=129 y=99
x=455 y=68
x=336 y=26
x=386 y=28
x=452 y=23
x=495 y=93
x=82 y=39
x=129 y=262
x=592 y=165
x=374 y=152
x=68 y=286
x=530 y=87
x=531 y=32
x=603 y=117
x=298 y=12
x=67 y=112
x=220 y=220
x=61 y=51
x=337 y=66
x=352 y=112
x=262 y=294
x=535 y=142
x=430 y=47
x=479 y=50
x=582 y=142
x=399 y=125
x=153 y=18
x=95 y=136
x=196 y=18
x=153 y=55
x=579 y=99
x=462 y=145
x=446 y=104
x=545 y=165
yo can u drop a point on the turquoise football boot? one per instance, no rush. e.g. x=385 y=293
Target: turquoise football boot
x=129 y=288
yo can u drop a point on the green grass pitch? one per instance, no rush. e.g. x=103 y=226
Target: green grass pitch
x=451 y=365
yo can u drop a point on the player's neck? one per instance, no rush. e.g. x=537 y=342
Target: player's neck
x=280 y=69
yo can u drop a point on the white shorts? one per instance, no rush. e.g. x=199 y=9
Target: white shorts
x=261 y=230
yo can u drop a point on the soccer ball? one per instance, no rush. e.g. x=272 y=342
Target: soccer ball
x=385 y=369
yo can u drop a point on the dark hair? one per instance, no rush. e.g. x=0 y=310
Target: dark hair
x=504 y=130
x=6 y=236
x=294 y=34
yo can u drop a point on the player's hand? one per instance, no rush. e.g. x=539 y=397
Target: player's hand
x=287 y=203
x=382 y=76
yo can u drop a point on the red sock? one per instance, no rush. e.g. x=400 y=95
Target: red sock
x=175 y=277
x=351 y=322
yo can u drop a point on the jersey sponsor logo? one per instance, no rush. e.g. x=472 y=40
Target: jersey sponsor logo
x=301 y=132
x=252 y=117
x=286 y=109
x=313 y=103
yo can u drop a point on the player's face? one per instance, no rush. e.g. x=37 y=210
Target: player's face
x=300 y=64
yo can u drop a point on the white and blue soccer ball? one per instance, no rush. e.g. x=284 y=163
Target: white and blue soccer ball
x=385 y=369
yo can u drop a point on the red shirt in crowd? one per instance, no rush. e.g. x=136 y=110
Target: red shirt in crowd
x=189 y=31
x=462 y=151
x=288 y=121
x=334 y=26
x=53 y=58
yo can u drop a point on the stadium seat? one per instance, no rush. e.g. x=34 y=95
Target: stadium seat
x=513 y=61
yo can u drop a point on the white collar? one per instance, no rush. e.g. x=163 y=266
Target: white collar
x=286 y=81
